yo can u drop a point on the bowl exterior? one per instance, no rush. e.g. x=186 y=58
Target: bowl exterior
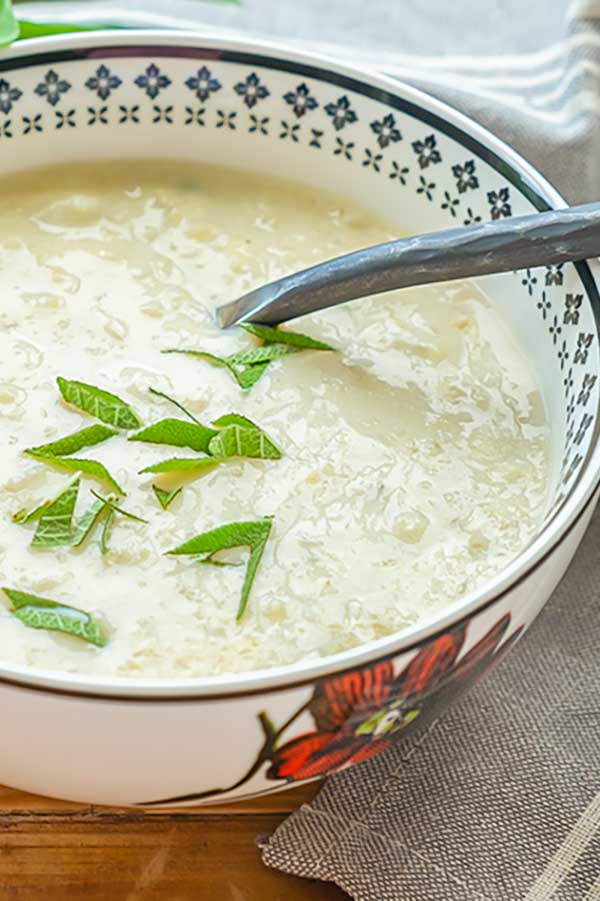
x=412 y=161
x=147 y=752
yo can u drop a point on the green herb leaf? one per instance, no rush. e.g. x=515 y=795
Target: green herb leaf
x=99 y=403
x=202 y=355
x=43 y=613
x=253 y=535
x=24 y=516
x=94 y=434
x=234 y=419
x=91 y=468
x=106 y=530
x=182 y=464
x=110 y=502
x=87 y=522
x=271 y=335
x=177 y=433
x=172 y=400
x=245 y=377
x=54 y=527
x=165 y=497
x=241 y=441
x=264 y=354
x=250 y=375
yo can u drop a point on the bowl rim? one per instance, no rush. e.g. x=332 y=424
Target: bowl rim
x=528 y=181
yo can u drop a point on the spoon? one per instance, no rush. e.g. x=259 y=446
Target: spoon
x=556 y=236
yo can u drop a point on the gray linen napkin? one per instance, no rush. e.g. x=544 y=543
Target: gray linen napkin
x=499 y=800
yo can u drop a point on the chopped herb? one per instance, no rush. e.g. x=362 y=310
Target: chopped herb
x=99 y=403
x=87 y=522
x=210 y=358
x=264 y=354
x=106 y=530
x=91 y=468
x=271 y=335
x=243 y=441
x=174 y=402
x=253 y=535
x=165 y=498
x=177 y=433
x=54 y=527
x=251 y=374
x=43 y=613
x=24 y=516
x=88 y=437
x=110 y=502
x=182 y=464
x=247 y=366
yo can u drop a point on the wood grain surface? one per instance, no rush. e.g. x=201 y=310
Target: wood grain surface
x=59 y=851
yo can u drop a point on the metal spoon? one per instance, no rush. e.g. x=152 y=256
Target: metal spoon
x=557 y=236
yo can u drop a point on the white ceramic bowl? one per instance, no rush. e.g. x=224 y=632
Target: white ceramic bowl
x=411 y=160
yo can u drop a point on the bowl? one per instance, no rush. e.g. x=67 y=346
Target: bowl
x=417 y=163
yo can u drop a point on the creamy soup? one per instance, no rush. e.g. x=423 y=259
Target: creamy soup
x=414 y=457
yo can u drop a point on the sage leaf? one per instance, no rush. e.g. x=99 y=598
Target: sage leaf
x=87 y=522
x=110 y=502
x=91 y=468
x=63 y=447
x=106 y=530
x=271 y=335
x=250 y=375
x=24 y=516
x=43 y=613
x=99 y=403
x=177 y=433
x=264 y=354
x=54 y=527
x=253 y=535
x=241 y=441
x=173 y=401
x=182 y=464
x=246 y=377
x=165 y=498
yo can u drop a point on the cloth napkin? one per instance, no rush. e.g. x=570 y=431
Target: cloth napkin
x=499 y=800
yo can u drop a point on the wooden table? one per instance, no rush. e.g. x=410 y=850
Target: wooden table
x=59 y=851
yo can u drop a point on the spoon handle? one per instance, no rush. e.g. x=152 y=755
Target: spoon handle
x=556 y=236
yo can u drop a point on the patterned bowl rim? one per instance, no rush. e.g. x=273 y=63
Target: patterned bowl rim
x=495 y=152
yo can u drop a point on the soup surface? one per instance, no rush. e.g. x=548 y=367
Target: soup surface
x=414 y=456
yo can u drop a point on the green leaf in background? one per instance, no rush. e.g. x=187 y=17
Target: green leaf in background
x=253 y=535
x=88 y=437
x=54 y=527
x=165 y=498
x=43 y=613
x=172 y=400
x=271 y=335
x=22 y=517
x=91 y=468
x=183 y=464
x=177 y=433
x=87 y=522
x=243 y=441
x=99 y=403
x=106 y=531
